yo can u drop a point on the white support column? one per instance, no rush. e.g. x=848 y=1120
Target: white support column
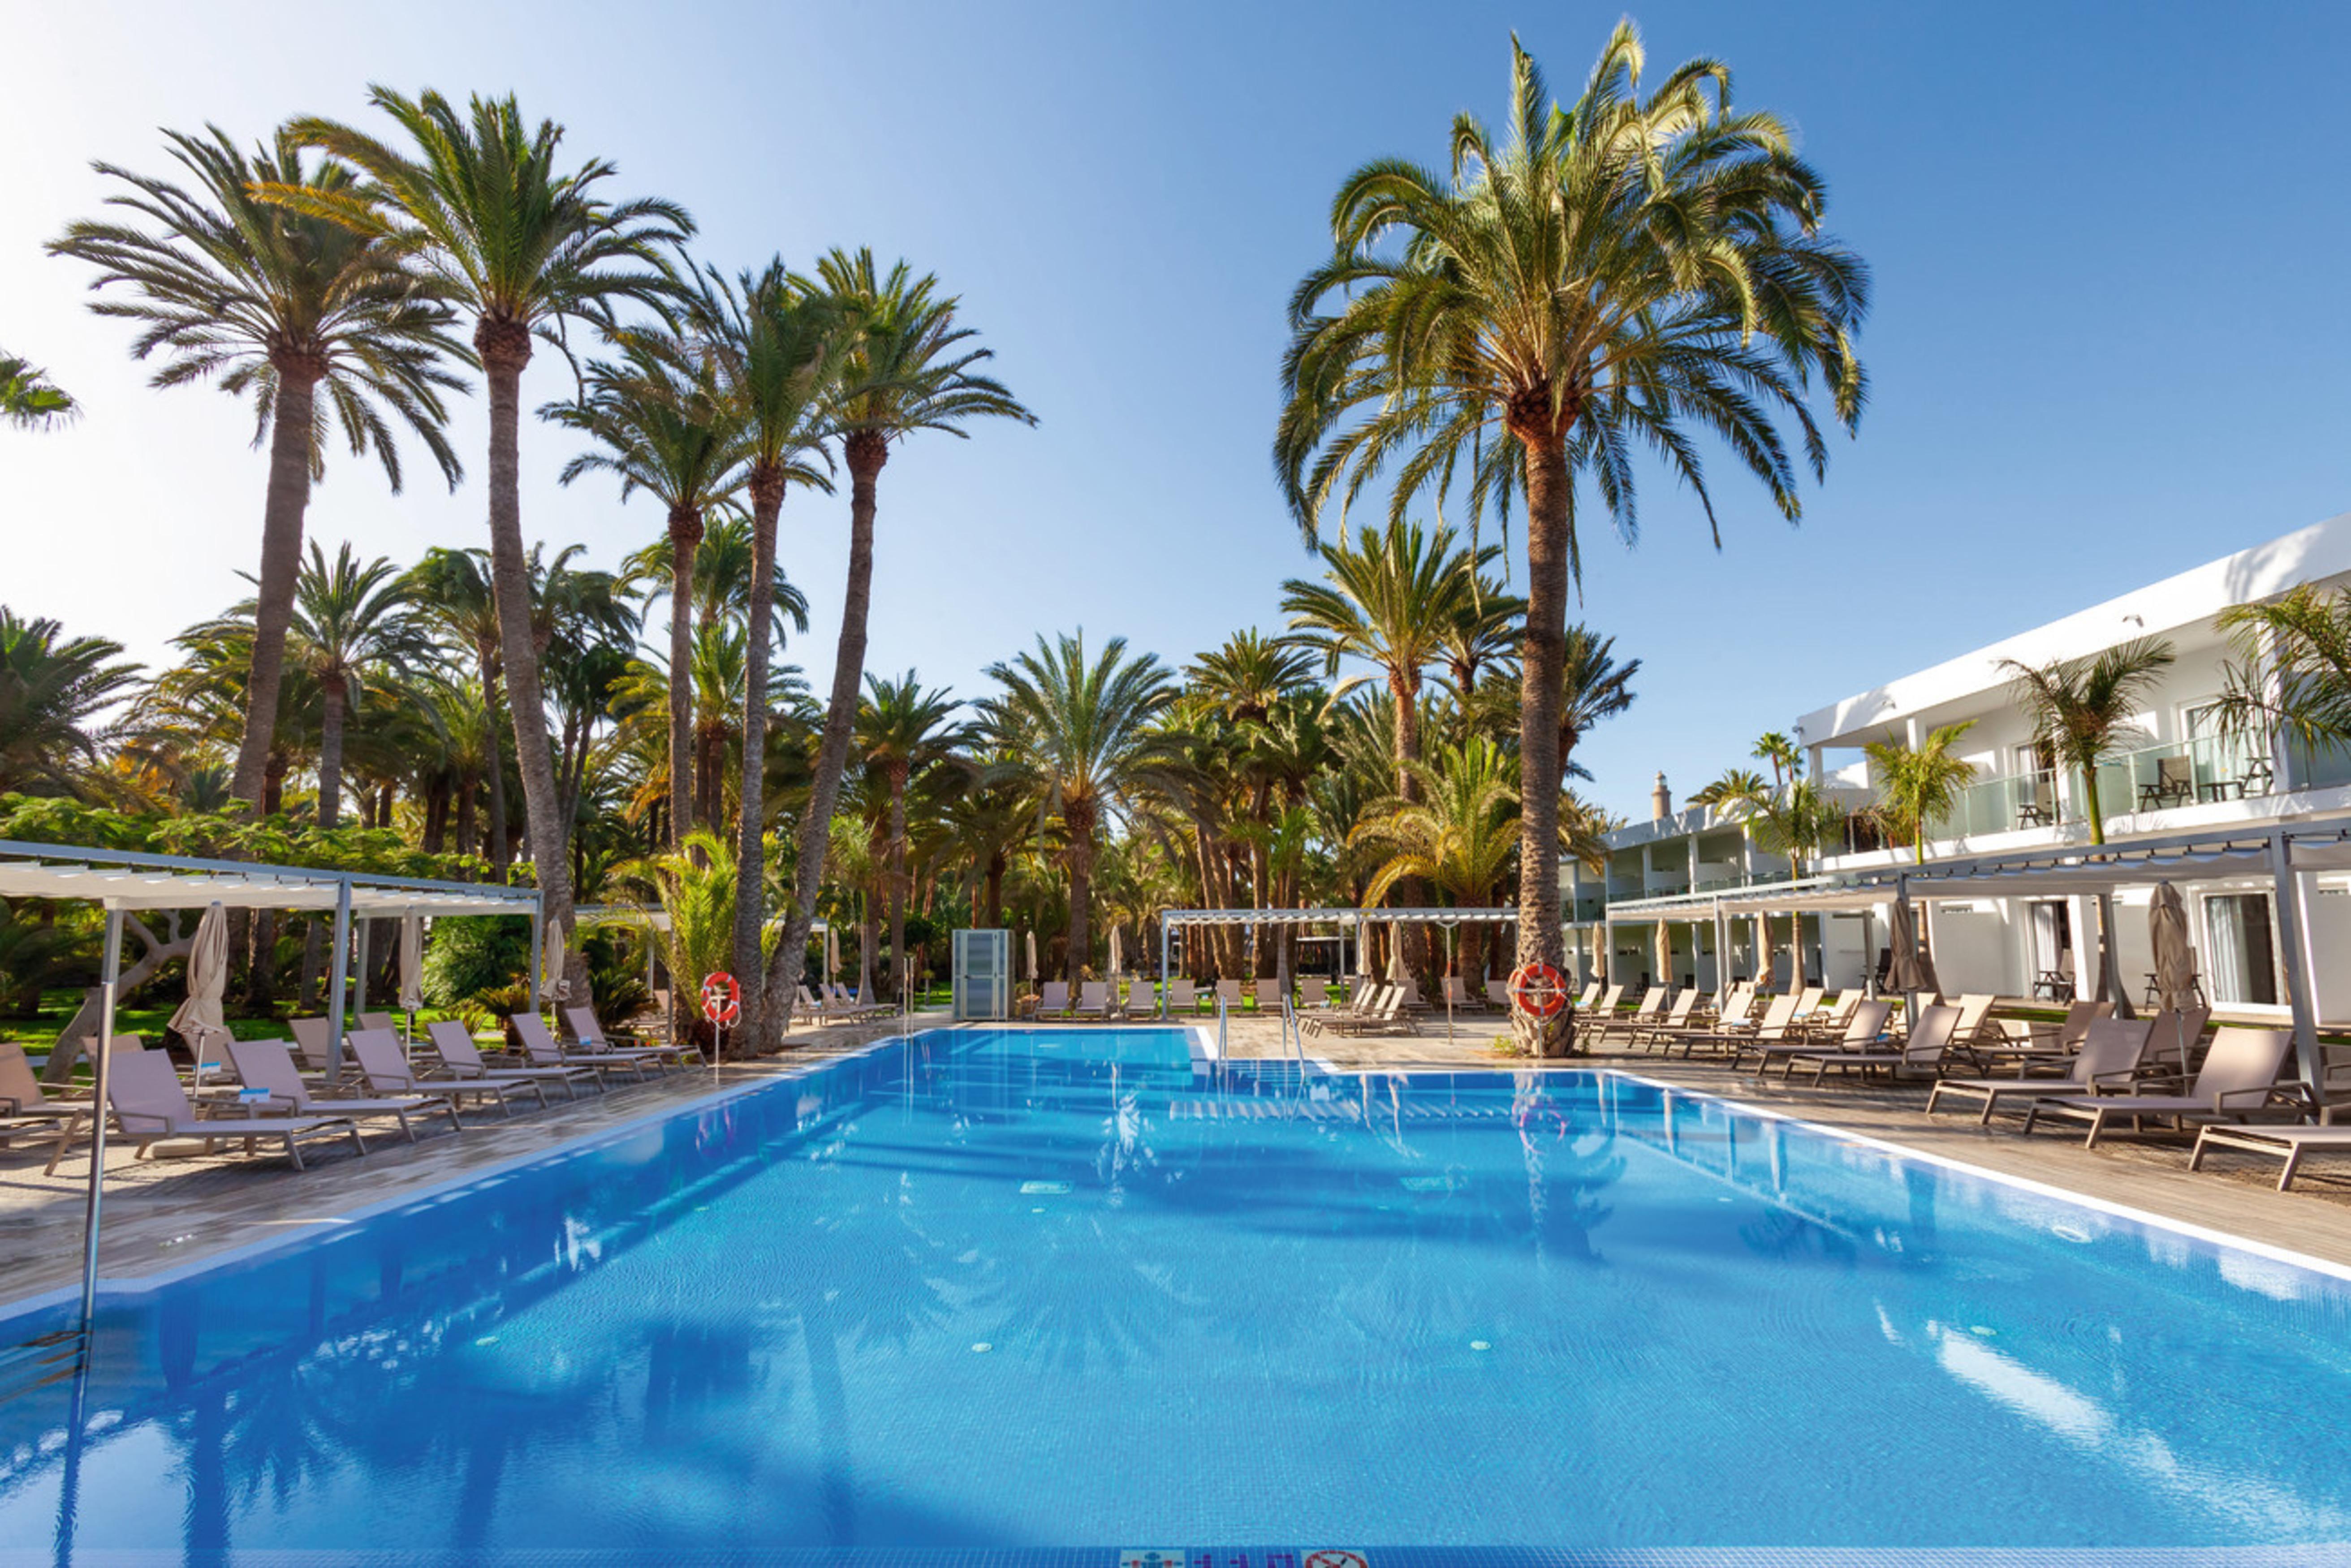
x=109 y=982
x=1164 y=933
x=359 y=986
x=340 y=971
x=2293 y=933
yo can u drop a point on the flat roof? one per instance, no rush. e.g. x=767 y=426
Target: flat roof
x=131 y=879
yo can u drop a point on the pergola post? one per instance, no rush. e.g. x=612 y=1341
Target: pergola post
x=2294 y=929
x=359 y=986
x=341 y=973
x=1167 y=930
x=110 y=978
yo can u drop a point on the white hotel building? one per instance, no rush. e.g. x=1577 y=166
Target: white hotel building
x=1692 y=878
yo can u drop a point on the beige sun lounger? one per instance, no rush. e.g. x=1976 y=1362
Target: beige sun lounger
x=2238 y=1076
x=1922 y=1051
x=1497 y=994
x=1052 y=999
x=1313 y=992
x=1675 y=1019
x=1385 y=1015
x=850 y=1007
x=268 y=1065
x=1597 y=1014
x=380 y=1020
x=1863 y=1028
x=2291 y=1143
x=1457 y=996
x=1777 y=1025
x=25 y=1107
x=598 y=1043
x=1228 y=992
x=2110 y=1055
x=150 y=1107
x=541 y=1048
x=1182 y=998
x=462 y=1060
x=386 y=1071
x=1093 y=1000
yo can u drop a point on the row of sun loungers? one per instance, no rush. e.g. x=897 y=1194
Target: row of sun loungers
x=285 y=1094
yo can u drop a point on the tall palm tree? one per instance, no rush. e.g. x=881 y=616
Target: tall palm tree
x=911 y=368
x=722 y=574
x=53 y=689
x=1918 y=784
x=1462 y=834
x=904 y=732
x=665 y=430
x=453 y=588
x=2081 y=709
x=520 y=244
x=1736 y=784
x=776 y=349
x=1798 y=820
x=2293 y=669
x=1593 y=687
x=29 y=400
x=283 y=306
x=1616 y=273
x=1079 y=732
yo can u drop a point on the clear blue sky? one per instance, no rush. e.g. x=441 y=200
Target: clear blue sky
x=2109 y=245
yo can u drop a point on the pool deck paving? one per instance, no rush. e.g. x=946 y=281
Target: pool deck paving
x=167 y=1213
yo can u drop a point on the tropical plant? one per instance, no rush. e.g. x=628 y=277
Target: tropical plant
x=453 y=590
x=662 y=426
x=1593 y=687
x=53 y=690
x=1797 y=820
x=2081 y=709
x=521 y=245
x=1735 y=785
x=1077 y=733
x=1779 y=753
x=1918 y=784
x=2293 y=669
x=903 y=732
x=1616 y=273
x=29 y=400
x=911 y=368
x=286 y=307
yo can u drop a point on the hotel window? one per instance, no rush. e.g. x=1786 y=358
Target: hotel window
x=2244 y=958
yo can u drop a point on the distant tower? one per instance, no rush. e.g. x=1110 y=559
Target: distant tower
x=1661 y=800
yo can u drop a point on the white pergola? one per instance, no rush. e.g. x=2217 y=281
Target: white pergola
x=1350 y=922
x=124 y=880
x=2279 y=855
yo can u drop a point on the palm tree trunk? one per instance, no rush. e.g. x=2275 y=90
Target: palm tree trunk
x=995 y=869
x=866 y=452
x=288 y=498
x=331 y=755
x=1078 y=824
x=1549 y=525
x=685 y=537
x=1404 y=686
x=751 y=831
x=897 y=877
x=505 y=348
x=499 y=854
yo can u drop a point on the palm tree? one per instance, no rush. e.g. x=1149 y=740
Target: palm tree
x=2293 y=672
x=777 y=350
x=911 y=368
x=284 y=306
x=1079 y=732
x=521 y=245
x=722 y=574
x=2081 y=709
x=1593 y=687
x=53 y=689
x=1775 y=749
x=29 y=400
x=1797 y=820
x=352 y=624
x=903 y=733
x=1735 y=785
x=1616 y=274
x=1461 y=833
x=667 y=430
x=1918 y=784
x=454 y=589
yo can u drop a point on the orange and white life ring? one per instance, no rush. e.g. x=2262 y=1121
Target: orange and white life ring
x=1538 y=990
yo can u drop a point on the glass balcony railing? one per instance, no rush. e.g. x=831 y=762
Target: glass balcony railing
x=2184 y=773
x=2001 y=805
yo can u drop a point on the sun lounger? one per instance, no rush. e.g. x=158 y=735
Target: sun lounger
x=2290 y=1143
x=541 y=1048
x=1922 y=1051
x=2238 y=1076
x=1864 y=1028
x=1597 y=1014
x=1093 y=1000
x=1385 y=1015
x=1313 y=993
x=1830 y=1022
x=851 y=1008
x=1583 y=1001
x=1182 y=998
x=268 y=1065
x=24 y=1105
x=1675 y=1019
x=380 y=1020
x=1652 y=1008
x=1267 y=995
x=599 y=1043
x=2176 y=1034
x=1229 y=993
x=1457 y=996
x=1052 y=999
x=461 y=1059
x=1497 y=994
x=2110 y=1056
x=1777 y=1025
x=386 y=1071
x=150 y=1107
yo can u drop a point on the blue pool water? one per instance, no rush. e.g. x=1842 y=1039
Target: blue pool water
x=1070 y=1288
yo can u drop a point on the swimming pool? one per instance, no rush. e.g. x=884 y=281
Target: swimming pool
x=1009 y=1289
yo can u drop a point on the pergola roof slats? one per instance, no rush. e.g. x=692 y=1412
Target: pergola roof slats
x=134 y=878
x=1427 y=916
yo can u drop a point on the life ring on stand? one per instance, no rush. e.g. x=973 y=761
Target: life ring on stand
x=1538 y=990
